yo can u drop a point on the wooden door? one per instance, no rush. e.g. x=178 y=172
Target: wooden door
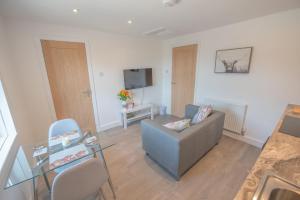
x=183 y=77
x=67 y=70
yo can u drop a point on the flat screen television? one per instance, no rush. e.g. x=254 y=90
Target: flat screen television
x=137 y=78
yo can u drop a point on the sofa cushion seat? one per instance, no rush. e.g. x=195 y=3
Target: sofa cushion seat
x=164 y=119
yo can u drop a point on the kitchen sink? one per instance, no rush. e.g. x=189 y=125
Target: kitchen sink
x=283 y=194
x=290 y=125
x=274 y=187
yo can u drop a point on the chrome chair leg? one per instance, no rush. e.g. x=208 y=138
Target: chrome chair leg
x=109 y=179
x=47 y=181
x=111 y=187
x=35 y=192
x=102 y=194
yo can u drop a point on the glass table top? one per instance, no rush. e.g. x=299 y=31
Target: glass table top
x=36 y=160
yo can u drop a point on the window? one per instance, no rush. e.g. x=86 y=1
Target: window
x=3 y=130
x=7 y=127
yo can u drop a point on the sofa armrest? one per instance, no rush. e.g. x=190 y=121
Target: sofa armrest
x=159 y=128
x=162 y=144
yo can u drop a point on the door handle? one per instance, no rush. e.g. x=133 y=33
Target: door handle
x=87 y=93
x=173 y=83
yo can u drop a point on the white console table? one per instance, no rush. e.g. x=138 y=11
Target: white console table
x=138 y=112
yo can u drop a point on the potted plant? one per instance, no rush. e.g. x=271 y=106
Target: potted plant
x=124 y=96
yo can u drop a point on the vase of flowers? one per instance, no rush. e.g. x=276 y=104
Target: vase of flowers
x=124 y=96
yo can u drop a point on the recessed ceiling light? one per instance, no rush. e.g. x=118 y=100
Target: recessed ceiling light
x=129 y=21
x=75 y=10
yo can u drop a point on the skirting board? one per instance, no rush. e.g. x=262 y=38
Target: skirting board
x=109 y=126
x=246 y=139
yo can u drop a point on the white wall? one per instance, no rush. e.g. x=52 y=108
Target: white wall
x=9 y=78
x=273 y=81
x=108 y=55
x=270 y=85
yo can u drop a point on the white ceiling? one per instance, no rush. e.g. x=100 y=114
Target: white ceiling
x=188 y=16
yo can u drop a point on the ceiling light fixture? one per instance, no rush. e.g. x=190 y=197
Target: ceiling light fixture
x=170 y=3
x=129 y=21
x=155 y=31
x=75 y=10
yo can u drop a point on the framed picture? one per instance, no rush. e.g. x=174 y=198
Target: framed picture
x=233 y=60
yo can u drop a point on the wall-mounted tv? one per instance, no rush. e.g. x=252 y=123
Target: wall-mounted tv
x=137 y=78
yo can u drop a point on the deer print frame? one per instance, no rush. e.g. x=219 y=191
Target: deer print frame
x=233 y=60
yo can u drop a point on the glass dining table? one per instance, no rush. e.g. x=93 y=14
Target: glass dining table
x=55 y=154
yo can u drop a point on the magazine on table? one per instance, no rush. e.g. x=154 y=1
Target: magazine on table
x=67 y=155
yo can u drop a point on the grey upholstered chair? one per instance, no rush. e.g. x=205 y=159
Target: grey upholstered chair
x=80 y=182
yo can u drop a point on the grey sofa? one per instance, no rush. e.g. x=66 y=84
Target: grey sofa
x=178 y=151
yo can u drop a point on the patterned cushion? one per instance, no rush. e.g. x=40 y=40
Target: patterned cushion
x=203 y=112
x=178 y=125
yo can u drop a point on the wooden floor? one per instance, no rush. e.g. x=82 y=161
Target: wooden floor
x=217 y=176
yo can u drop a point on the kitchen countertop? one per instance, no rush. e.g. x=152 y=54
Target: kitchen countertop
x=280 y=155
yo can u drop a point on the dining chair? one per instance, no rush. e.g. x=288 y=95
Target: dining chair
x=69 y=125
x=61 y=127
x=81 y=181
x=64 y=126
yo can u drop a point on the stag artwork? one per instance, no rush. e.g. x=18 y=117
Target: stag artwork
x=233 y=60
x=229 y=66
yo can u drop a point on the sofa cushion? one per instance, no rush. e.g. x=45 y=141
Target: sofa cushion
x=190 y=111
x=178 y=125
x=203 y=112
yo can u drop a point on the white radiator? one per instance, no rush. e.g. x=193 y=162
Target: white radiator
x=235 y=114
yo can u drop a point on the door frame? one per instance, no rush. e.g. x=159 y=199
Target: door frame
x=170 y=71
x=44 y=75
